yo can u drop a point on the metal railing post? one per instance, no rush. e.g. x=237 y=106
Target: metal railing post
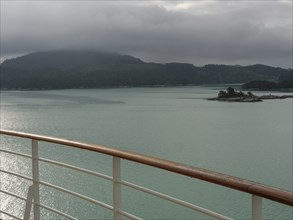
x=256 y=207
x=35 y=167
x=28 y=205
x=116 y=188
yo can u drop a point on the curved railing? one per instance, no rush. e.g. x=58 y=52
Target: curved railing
x=257 y=190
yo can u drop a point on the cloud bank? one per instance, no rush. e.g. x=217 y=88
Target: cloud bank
x=198 y=32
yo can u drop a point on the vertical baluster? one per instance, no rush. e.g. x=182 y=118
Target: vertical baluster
x=28 y=205
x=35 y=167
x=256 y=207
x=116 y=188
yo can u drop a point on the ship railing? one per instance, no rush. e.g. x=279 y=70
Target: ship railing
x=32 y=201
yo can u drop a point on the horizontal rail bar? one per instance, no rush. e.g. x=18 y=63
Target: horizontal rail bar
x=41 y=205
x=12 y=194
x=13 y=216
x=57 y=212
x=104 y=205
x=15 y=174
x=77 y=168
x=128 y=215
x=232 y=182
x=177 y=201
x=15 y=153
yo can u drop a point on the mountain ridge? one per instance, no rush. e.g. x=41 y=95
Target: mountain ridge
x=62 y=69
x=64 y=58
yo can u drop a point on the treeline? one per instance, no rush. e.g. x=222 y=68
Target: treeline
x=92 y=69
x=285 y=84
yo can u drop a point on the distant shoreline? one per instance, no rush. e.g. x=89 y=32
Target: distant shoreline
x=237 y=85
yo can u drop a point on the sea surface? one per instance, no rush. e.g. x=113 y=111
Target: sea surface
x=247 y=140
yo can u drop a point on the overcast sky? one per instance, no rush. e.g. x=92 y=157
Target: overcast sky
x=199 y=32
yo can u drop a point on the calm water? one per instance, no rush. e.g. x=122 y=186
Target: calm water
x=248 y=140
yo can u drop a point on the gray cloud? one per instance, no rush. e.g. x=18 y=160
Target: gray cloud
x=199 y=32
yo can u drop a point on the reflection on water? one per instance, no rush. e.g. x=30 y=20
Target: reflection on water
x=36 y=99
x=248 y=140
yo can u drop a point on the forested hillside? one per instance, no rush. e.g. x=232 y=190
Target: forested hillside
x=92 y=69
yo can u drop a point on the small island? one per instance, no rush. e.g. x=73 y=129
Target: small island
x=231 y=95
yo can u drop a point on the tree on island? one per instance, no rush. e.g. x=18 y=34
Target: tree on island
x=230 y=92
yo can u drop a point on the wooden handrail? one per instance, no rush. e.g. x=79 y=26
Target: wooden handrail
x=265 y=191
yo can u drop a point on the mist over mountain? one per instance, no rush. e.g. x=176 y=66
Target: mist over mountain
x=66 y=59
x=62 y=69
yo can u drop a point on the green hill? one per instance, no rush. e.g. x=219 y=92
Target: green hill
x=93 y=69
x=66 y=59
